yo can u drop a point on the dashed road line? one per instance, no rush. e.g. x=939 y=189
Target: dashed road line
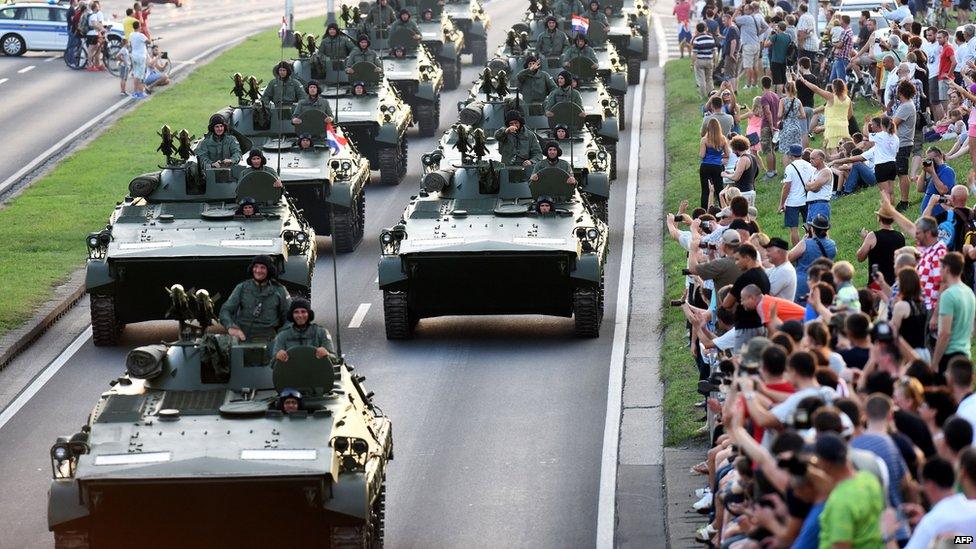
x=27 y=69
x=2 y=80
x=357 y=319
x=49 y=59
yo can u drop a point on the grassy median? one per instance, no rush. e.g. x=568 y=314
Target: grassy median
x=848 y=215
x=42 y=231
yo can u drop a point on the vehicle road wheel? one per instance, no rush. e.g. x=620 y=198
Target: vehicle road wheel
x=647 y=47
x=112 y=48
x=347 y=223
x=452 y=74
x=586 y=312
x=13 y=45
x=612 y=151
x=403 y=158
x=621 y=111
x=105 y=325
x=428 y=119
x=479 y=52
x=389 y=165
x=396 y=315
x=365 y=536
x=71 y=539
x=361 y=208
x=633 y=71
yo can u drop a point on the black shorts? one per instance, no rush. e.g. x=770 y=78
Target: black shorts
x=964 y=5
x=903 y=159
x=91 y=40
x=779 y=73
x=885 y=171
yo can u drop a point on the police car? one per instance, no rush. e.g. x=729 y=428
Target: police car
x=37 y=26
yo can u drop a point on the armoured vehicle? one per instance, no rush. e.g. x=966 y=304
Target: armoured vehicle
x=418 y=78
x=473 y=20
x=444 y=40
x=629 y=23
x=183 y=224
x=194 y=445
x=484 y=239
x=327 y=182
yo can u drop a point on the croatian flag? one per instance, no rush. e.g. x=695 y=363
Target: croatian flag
x=336 y=142
x=284 y=28
x=580 y=24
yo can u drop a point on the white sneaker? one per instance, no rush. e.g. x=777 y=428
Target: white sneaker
x=705 y=533
x=704 y=505
x=699 y=493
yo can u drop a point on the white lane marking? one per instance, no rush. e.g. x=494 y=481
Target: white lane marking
x=2 y=80
x=60 y=145
x=606 y=519
x=662 y=44
x=28 y=68
x=49 y=59
x=357 y=319
x=28 y=393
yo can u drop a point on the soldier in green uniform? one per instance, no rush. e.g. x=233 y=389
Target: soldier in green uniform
x=552 y=160
x=551 y=41
x=363 y=55
x=565 y=9
x=217 y=148
x=302 y=332
x=380 y=16
x=563 y=93
x=596 y=16
x=580 y=48
x=335 y=45
x=313 y=100
x=247 y=207
x=404 y=22
x=516 y=145
x=359 y=88
x=561 y=132
x=257 y=307
x=534 y=84
x=283 y=90
x=257 y=162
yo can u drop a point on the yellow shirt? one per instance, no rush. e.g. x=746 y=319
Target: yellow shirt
x=127 y=27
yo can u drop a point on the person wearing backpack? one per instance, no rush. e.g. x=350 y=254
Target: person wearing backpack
x=76 y=12
x=779 y=43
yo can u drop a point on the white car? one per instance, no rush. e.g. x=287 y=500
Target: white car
x=36 y=26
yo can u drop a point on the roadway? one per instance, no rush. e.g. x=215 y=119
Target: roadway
x=498 y=421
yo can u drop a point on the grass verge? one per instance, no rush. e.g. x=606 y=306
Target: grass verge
x=42 y=231
x=848 y=216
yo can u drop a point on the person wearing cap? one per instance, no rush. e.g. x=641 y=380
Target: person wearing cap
x=289 y=401
x=815 y=244
x=820 y=188
x=381 y=15
x=596 y=15
x=363 y=54
x=533 y=84
x=305 y=142
x=516 y=145
x=580 y=48
x=313 y=100
x=551 y=40
x=565 y=9
x=258 y=306
x=284 y=89
x=560 y=132
x=302 y=332
x=748 y=324
x=793 y=198
x=782 y=274
x=257 y=162
x=723 y=270
x=217 y=148
x=359 y=88
x=247 y=207
x=564 y=93
x=335 y=45
x=553 y=160
x=404 y=22
x=544 y=205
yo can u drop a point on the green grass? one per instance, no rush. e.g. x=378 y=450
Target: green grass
x=848 y=216
x=42 y=232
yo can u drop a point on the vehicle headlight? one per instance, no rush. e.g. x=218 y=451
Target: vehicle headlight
x=61 y=452
x=288 y=236
x=592 y=233
x=602 y=155
x=301 y=237
x=386 y=238
x=346 y=165
x=92 y=241
x=352 y=452
x=334 y=164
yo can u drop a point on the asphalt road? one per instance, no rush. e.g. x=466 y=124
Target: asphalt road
x=498 y=421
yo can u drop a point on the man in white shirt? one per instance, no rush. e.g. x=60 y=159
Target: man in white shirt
x=933 y=50
x=896 y=14
x=782 y=275
x=951 y=513
x=96 y=25
x=793 y=199
x=806 y=34
x=140 y=54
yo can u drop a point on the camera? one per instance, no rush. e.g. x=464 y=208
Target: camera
x=795 y=465
x=165 y=55
x=882 y=331
x=874 y=270
x=927 y=162
x=686 y=272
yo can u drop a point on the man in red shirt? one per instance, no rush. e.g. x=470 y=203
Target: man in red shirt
x=141 y=13
x=947 y=65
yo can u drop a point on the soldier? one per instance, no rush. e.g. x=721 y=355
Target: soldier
x=404 y=22
x=399 y=52
x=313 y=100
x=302 y=332
x=565 y=9
x=363 y=55
x=534 y=84
x=561 y=132
x=258 y=306
x=563 y=93
x=359 y=88
x=283 y=90
x=305 y=142
x=335 y=45
x=427 y=16
x=218 y=149
x=381 y=15
x=544 y=205
x=248 y=207
x=580 y=48
x=257 y=162
x=551 y=41
x=516 y=145
x=289 y=401
x=596 y=16
x=552 y=160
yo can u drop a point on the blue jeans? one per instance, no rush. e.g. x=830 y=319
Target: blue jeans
x=838 y=70
x=73 y=43
x=816 y=209
x=860 y=176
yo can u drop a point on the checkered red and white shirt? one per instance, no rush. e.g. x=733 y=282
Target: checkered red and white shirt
x=930 y=272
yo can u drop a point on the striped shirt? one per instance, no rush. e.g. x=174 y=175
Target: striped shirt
x=703 y=46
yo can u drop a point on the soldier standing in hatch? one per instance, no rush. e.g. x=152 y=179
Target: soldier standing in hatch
x=552 y=160
x=257 y=162
x=551 y=41
x=596 y=16
x=302 y=332
x=283 y=90
x=516 y=145
x=218 y=149
x=335 y=45
x=313 y=100
x=258 y=306
x=565 y=9
x=534 y=84
x=363 y=55
x=580 y=48
x=564 y=93
x=404 y=22
x=381 y=15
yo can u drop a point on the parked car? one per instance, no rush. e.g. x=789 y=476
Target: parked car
x=39 y=27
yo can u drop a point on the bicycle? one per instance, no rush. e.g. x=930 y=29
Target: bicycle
x=77 y=58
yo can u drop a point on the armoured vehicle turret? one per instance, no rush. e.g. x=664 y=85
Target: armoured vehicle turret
x=473 y=20
x=327 y=179
x=203 y=442
x=443 y=39
x=417 y=77
x=629 y=23
x=485 y=239
x=186 y=224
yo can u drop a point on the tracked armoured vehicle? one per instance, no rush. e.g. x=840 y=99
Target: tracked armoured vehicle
x=443 y=39
x=629 y=27
x=484 y=239
x=195 y=446
x=473 y=20
x=185 y=224
x=418 y=79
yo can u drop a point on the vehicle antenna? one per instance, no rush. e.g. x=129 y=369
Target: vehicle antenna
x=281 y=98
x=335 y=282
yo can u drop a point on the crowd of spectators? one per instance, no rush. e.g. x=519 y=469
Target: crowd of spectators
x=838 y=414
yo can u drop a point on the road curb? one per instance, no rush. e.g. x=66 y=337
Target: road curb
x=65 y=297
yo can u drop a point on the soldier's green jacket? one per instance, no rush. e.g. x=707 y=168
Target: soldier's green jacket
x=267 y=169
x=311 y=335
x=534 y=86
x=516 y=148
x=597 y=17
x=545 y=163
x=212 y=148
x=551 y=43
x=380 y=16
x=564 y=9
x=360 y=56
x=573 y=52
x=563 y=95
x=257 y=309
x=337 y=47
x=319 y=103
x=281 y=92
x=409 y=25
